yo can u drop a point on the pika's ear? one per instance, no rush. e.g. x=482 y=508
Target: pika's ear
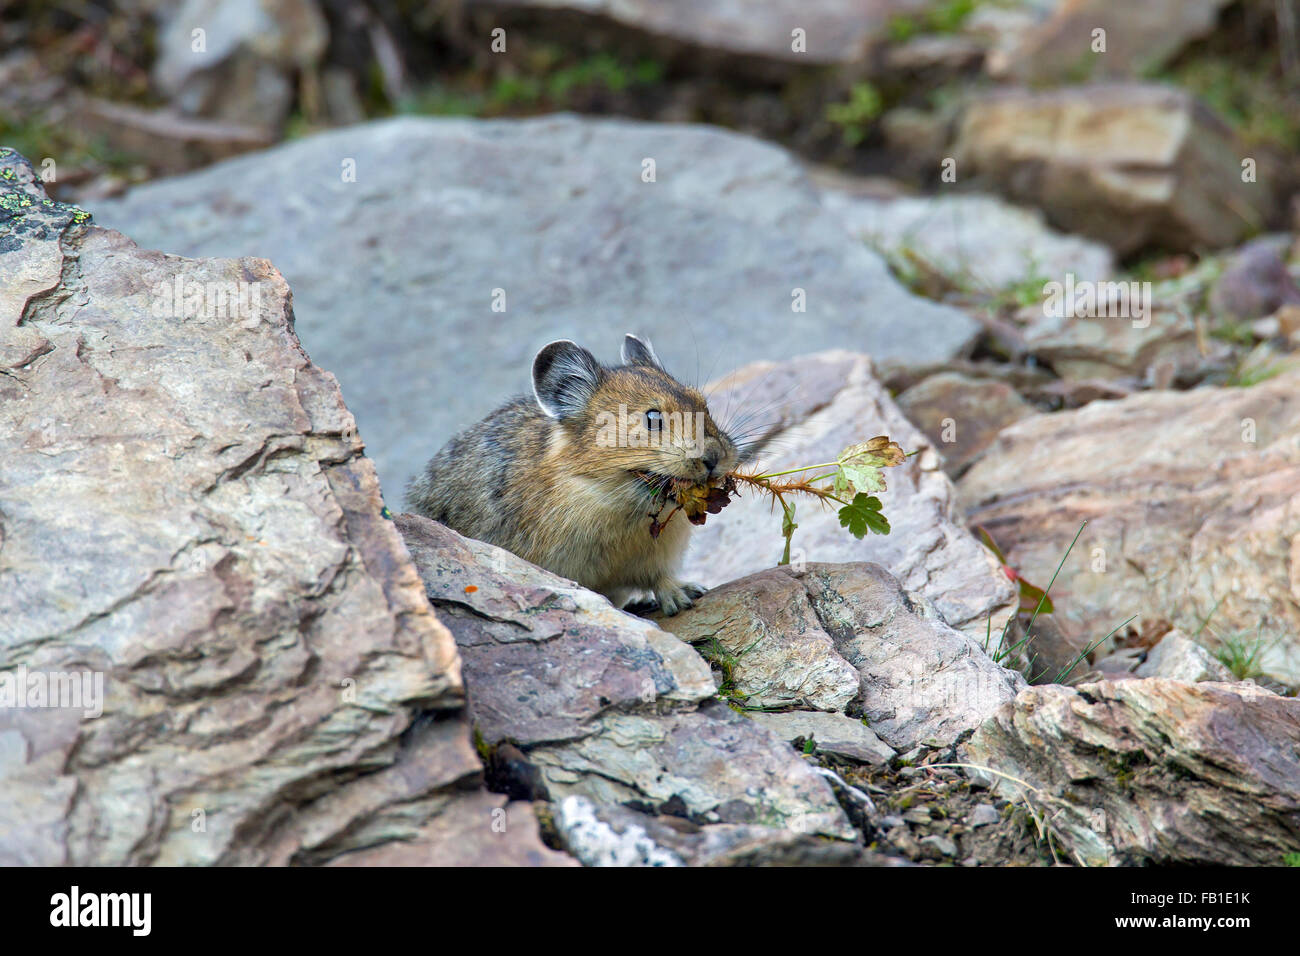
x=638 y=352
x=565 y=376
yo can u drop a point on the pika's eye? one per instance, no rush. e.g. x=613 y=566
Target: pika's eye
x=654 y=420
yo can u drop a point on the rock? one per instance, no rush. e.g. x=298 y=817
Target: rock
x=186 y=515
x=1153 y=772
x=242 y=66
x=1095 y=347
x=837 y=31
x=1139 y=39
x=1192 y=510
x=1055 y=653
x=1177 y=657
x=173 y=142
x=617 y=836
x=611 y=659
x=768 y=637
x=978 y=242
x=936 y=847
x=457 y=838
x=1255 y=282
x=1119 y=665
x=918 y=678
x=1128 y=164
x=960 y=415
x=831 y=734
x=437 y=207
x=983 y=815
x=819 y=405
x=603 y=704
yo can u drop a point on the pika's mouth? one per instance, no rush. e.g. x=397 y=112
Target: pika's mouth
x=656 y=484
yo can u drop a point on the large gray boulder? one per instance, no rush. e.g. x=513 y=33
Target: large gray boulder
x=192 y=540
x=394 y=274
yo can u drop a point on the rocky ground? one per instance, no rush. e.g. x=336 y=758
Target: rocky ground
x=195 y=460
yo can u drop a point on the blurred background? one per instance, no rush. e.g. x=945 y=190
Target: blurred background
x=879 y=86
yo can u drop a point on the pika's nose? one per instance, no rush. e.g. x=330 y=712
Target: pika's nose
x=711 y=461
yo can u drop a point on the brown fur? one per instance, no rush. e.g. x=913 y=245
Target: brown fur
x=559 y=490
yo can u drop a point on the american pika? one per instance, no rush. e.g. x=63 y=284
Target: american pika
x=569 y=477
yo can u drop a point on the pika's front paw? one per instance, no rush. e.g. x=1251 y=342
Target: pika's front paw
x=694 y=590
x=673 y=598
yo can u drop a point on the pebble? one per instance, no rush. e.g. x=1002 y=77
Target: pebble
x=983 y=815
x=940 y=844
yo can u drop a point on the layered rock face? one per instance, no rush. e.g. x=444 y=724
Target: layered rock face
x=1129 y=164
x=848 y=638
x=1193 y=507
x=192 y=540
x=1153 y=771
x=602 y=704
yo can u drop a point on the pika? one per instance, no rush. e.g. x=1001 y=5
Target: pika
x=569 y=477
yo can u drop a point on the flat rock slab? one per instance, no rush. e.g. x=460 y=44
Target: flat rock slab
x=915 y=679
x=455 y=838
x=814 y=407
x=979 y=243
x=832 y=734
x=602 y=704
x=395 y=274
x=186 y=515
x=1153 y=771
x=1192 y=509
x=961 y=415
x=543 y=655
x=835 y=31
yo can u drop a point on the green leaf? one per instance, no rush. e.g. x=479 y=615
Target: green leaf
x=863 y=515
x=861 y=478
x=860 y=465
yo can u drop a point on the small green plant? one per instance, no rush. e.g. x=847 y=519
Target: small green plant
x=1247 y=374
x=946 y=16
x=1039 y=600
x=857 y=471
x=852 y=476
x=855 y=116
x=1241 y=653
x=1291 y=859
